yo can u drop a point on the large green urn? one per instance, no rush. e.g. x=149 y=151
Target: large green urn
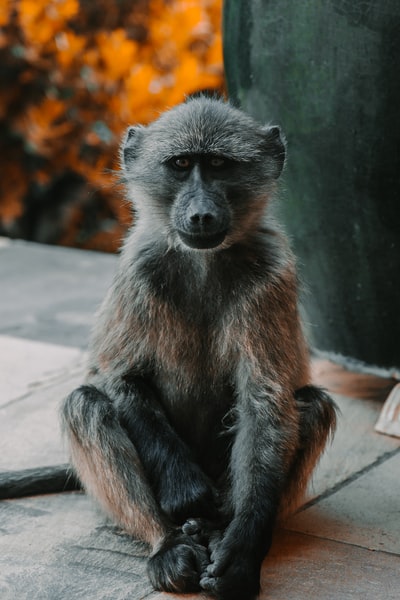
x=329 y=73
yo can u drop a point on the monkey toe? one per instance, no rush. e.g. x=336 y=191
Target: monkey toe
x=233 y=573
x=177 y=565
x=231 y=586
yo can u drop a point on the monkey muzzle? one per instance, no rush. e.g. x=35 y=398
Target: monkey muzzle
x=201 y=241
x=202 y=222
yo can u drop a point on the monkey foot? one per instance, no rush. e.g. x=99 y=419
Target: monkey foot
x=177 y=565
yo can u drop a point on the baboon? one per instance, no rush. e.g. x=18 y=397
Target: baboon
x=197 y=425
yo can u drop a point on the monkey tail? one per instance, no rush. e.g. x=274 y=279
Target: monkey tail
x=317 y=424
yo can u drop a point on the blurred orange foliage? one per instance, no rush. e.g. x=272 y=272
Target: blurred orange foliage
x=73 y=75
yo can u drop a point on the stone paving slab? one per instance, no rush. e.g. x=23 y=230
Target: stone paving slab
x=355 y=445
x=26 y=365
x=366 y=512
x=30 y=435
x=303 y=567
x=33 y=458
x=59 y=547
x=165 y=596
x=51 y=293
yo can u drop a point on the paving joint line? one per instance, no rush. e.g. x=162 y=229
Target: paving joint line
x=342 y=484
x=335 y=541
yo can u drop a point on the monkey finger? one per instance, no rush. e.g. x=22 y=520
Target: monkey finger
x=215 y=540
x=194 y=529
x=220 y=559
x=200 y=530
x=239 y=582
x=223 y=589
x=192 y=526
x=207 y=583
x=177 y=566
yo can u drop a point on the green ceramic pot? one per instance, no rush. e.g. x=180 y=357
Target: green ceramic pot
x=329 y=74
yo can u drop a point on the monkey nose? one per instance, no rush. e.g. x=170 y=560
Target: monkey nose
x=201 y=223
x=202 y=219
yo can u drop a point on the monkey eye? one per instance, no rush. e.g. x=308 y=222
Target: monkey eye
x=217 y=162
x=182 y=162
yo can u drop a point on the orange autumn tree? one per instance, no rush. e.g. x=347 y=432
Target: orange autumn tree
x=73 y=75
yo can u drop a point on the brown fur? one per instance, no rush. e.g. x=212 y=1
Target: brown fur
x=197 y=403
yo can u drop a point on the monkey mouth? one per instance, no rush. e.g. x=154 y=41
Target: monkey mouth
x=202 y=241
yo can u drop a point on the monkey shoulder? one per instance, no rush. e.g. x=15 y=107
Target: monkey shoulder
x=271 y=263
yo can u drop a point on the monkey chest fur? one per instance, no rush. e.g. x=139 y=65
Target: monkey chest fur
x=192 y=376
x=183 y=326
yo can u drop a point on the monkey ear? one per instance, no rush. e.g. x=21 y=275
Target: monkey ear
x=131 y=143
x=274 y=143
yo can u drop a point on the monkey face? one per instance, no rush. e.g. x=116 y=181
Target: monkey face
x=201 y=175
x=201 y=214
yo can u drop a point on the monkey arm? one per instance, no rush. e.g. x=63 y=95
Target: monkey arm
x=267 y=434
x=280 y=432
x=272 y=362
x=179 y=485
x=121 y=364
x=261 y=456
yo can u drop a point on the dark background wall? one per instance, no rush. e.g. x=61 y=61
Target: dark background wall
x=329 y=74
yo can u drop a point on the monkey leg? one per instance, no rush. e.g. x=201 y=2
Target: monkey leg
x=262 y=442
x=317 y=422
x=110 y=469
x=181 y=488
x=257 y=469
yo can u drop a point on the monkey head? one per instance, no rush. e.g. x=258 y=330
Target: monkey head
x=201 y=175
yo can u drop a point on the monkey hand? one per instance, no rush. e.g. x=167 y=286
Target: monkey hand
x=177 y=564
x=233 y=572
x=203 y=531
x=186 y=493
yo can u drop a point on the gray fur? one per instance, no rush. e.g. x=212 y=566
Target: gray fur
x=198 y=358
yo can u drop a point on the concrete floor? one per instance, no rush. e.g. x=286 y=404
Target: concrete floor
x=344 y=543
